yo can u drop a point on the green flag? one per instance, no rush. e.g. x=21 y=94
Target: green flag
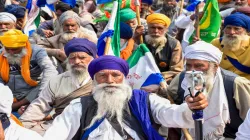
x=210 y=23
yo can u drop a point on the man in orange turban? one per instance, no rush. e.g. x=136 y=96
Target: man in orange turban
x=166 y=50
x=25 y=68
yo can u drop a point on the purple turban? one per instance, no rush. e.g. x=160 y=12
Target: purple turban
x=108 y=62
x=238 y=19
x=80 y=45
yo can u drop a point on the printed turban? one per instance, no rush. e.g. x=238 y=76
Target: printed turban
x=238 y=19
x=108 y=62
x=69 y=15
x=127 y=14
x=16 y=10
x=7 y=17
x=13 y=39
x=203 y=51
x=6 y=100
x=125 y=31
x=81 y=45
x=149 y=2
x=158 y=18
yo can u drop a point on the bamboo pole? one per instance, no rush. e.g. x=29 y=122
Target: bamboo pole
x=25 y=19
x=137 y=3
x=181 y=7
x=107 y=46
x=197 y=22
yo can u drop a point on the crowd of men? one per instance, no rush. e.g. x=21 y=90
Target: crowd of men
x=54 y=86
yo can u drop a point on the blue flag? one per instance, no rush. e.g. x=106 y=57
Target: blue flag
x=72 y=3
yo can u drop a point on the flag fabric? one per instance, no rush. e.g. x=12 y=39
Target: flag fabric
x=210 y=23
x=103 y=1
x=112 y=30
x=193 y=3
x=143 y=69
x=43 y=3
x=33 y=19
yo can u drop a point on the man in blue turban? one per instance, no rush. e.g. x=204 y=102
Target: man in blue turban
x=235 y=44
x=19 y=12
x=63 y=88
x=115 y=111
x=146 y=8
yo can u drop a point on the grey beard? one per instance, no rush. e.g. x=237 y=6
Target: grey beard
x=156 y=42
x=234 y=43
x=111 y=100
x=79 y=74
x=15 y=58
x=169 y=11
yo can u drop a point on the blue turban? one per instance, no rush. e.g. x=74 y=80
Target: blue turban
x=238 y=19
x=149 y=2
x=80 y=45
x=108 y=62
x=16 y=10
x=125 y=31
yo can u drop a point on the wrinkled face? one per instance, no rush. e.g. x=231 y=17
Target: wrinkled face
x=144 y=6
x=5 y=26
x=79 y=61
x=197 y=65
x=231 y=30
x=13 y=51
x=70 y=26
x=109 y=77
x=156 y=30
x=132 y=23
x=241 y=3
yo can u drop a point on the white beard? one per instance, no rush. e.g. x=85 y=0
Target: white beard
x=110 y=100
x=15 y=58
x=156 y=42
x=79 y=73
x=234 y=43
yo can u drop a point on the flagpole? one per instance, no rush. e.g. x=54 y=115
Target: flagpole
x=25 y=18
x=181 y=7
x=197 y=22
x=137 y=4
x=110 y=26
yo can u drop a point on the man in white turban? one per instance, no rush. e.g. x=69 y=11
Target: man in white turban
x=228 y=93
x=7 y=21
x=13 y=131
x=70 y=26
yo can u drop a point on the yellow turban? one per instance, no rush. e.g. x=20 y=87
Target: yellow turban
x=14 y=39
x=157 y=18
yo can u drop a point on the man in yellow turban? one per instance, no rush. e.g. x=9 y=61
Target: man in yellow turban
x=25 y=68
x=166 y=50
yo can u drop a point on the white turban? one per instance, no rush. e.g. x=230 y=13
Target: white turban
x=203 y=51
x=6 y=100
x=7 y=17
x=69 y=15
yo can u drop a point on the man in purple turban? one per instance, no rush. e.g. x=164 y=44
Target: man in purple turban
x=62 y=88
x=115 y=111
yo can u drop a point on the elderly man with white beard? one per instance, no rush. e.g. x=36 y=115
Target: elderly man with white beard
x=115 y=111
x=70 y=23
x=235 y=44
x=166 y=50
x=228 y=94
x=64 y=87
x=25 y=68
x=7 y=22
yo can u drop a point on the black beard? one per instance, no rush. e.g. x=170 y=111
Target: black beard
x=169 y=11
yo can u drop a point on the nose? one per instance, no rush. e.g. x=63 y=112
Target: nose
x=110 y=79
x=2 y=26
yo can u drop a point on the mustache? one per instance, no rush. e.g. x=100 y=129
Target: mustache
x=3 y=30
